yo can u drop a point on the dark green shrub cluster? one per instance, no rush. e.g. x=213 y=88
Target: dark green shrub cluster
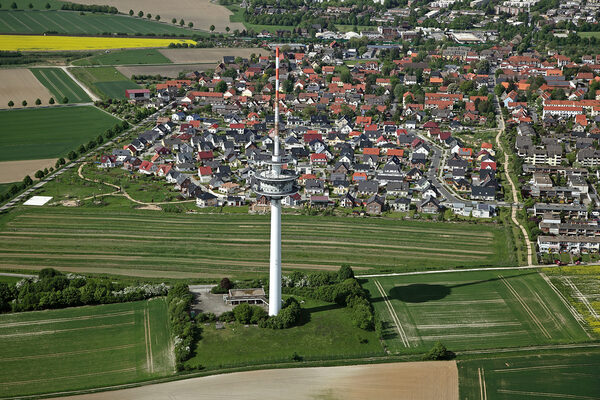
x=439 y=352
x=223 y=287
x=90 y=8
x=248 y=314
x=288 y=316
x=183 y=328
x=52 y=289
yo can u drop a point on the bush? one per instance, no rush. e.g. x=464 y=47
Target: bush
x=288 y=316
x=439 y=352
x=227 y=316
x=183 y=329
x=345 y=272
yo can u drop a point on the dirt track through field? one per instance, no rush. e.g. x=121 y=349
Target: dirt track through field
x=15 y=171
x=203 y=13
x=60 y=320
x=416 y=381
x=18 y=84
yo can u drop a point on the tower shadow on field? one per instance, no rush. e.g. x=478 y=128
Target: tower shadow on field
x=423 y=292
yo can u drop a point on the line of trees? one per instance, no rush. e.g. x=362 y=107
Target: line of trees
x=183 y=329
x=52 y=289
x=90 y=8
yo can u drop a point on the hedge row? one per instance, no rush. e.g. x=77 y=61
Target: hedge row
x=183 y=328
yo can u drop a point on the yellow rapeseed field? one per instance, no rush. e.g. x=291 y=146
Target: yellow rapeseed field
x=56 y=43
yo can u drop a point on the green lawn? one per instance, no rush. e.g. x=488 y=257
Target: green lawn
x=125 y=57
x=83 y=347
x=328 y=333
x=73 y=23
x=49 y=132
x=106 y=82
x=566 y=374
x=60 y=85
x=348 y=28
x=472 y=310
x=589 y=34
x=137 y=242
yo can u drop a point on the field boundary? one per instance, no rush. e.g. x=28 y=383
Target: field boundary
x=395 y=318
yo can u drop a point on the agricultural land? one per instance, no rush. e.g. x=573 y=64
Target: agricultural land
x=83 y=347
x=125 y=57
x=357 y=382
x=64 y=43
x=559 y=374
x=20 y=84
x=202 y=13
x=49 y=132
x=472 y=310
x=61 y=85
x=106 y=82
x=189 y=56
x=167 y=70
x=73 y=23
x=15 y=171
x=143 y=243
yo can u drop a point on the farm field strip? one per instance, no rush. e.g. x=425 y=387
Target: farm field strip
x=510 y=311
x=74 y=343
x=65 y=43
x=61 y=85
x=560 y=374
x=393 y=315
x=579 y=296
x=71 y=22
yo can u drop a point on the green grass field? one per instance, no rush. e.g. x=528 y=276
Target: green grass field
x=125 y=57
x=73 y=23
x=106 y=82
x=472 y=310
x=83 y=347
x=327 y=333
x=148 y=243
x=565 y=374
x=49 y=132
x=238 y=16
x=60 y=85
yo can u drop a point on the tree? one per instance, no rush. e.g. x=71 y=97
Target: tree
x=38 y=102
x=27 y=181
x=11 y=103
x=13 y=5
x=149 y=16
x=39 y=174
x=174 y=21
x=72 y=155
x=24 y=103
x=157 y=17
x=227 y=29
x=225 y=284
x=48 y=6
x=131 y=13
x=190 y=24
x=181 y=22
x=65 y=100
x=438 y=352
x=345 y=272
x=221 y=87
x=51 y=100
x=243 y=313
x=140 y=14
x=30 y=6
x=212 y=28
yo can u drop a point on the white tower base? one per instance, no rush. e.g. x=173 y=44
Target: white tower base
x=275 y=266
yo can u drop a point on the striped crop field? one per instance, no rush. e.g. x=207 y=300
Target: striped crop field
x=67 y=43
x=472 y=310
x=559 y=374
x=60 y=85
x=73 y=23
x=579 y=286
x=147 y=243
x=83 y=347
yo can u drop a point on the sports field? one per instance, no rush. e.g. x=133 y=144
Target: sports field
x=125 y=57
x=472 y=310
x=149 y=243
x=60 y=85
x=564 y=374
x=73 y=23
x=49 y=132
x=106 y=82
x=83 y=347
